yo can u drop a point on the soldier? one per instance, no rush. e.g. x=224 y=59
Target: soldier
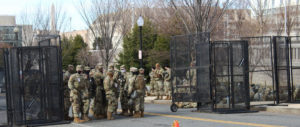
x=158 y=77
x=138 y=86
x=191 y=75
x=100 y=99
x=110 y=91
x=130 y=79
x=123 y=91
x=79 y=95
x=91 y=86
x=116 y=74
x=67 y=102
x=152 y=82
x=167 y=78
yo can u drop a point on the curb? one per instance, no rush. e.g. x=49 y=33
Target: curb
x=277 y=109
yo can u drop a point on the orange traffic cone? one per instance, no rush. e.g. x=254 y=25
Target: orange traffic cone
x=175 y=123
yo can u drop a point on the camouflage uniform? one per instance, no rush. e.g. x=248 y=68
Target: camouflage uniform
x=123 y=91
x=79 y=95
x=67 y=102
x=158 y=77
x=116 y=74
x=167 y=78
x=129 y=79
x=100 y=100
x=152 y=82
x=138 y=86
x=110 y=91
x=192 y=75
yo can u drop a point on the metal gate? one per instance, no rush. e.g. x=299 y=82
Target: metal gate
x=230 y=85
x=261 y=71
x=186 y=51
x=209 y=73
x=34 y=85
x=295 y=67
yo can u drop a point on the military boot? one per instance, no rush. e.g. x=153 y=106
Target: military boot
x=78 y=120
x=125 y=112
x=142 y=113
x=86 y=118
x=66 y=117
x=167 y=97
x=109 y=116
x=137 y=115
x=157 y=98
x=99 y=116
x=161 y=97
x=131 y=113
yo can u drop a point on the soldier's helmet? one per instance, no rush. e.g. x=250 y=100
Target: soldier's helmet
x=122 y=67
x=134 y=69
x=79 y=68
x=157 y=65
x=141 y=70
x=87 y=68
x=70 y=66
x=99 y=66
x=111 y=67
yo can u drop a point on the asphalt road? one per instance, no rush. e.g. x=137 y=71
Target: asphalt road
x=161 y=116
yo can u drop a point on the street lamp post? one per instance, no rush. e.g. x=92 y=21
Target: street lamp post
x=16 y=31
x=140 y=23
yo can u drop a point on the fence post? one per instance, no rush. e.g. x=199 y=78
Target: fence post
x=276 y=70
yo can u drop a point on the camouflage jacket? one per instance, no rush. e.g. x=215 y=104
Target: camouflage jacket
x=109 y=86
x=78 y=82
x=158 y=74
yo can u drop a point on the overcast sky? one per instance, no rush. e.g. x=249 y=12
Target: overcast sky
x=15 y=8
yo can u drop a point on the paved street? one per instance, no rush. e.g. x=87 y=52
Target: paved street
x=160 y=116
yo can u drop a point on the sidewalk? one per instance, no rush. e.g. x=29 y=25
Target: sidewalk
x=267 y=106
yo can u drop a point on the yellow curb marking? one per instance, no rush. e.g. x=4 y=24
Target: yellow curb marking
x=212 y=120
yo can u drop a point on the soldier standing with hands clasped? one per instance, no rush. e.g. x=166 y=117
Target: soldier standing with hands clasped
x=158 y=77
x=79 y=95
x=110 y=91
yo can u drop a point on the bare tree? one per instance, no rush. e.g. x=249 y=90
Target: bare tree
x=37 y=20
x=261 y=11
x=291 y=18
x=86 y=58
x=203 y=15
x=106 y=20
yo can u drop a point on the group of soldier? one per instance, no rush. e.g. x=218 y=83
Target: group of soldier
x=97 y=92
x=160 y=82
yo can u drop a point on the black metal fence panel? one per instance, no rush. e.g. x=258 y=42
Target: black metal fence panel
x=261 y=71
x=230 y=75
x=282 y=72
x=34 y=85
x=3 y=107
x=186 y=49
x=295 y=67
x=213 y=74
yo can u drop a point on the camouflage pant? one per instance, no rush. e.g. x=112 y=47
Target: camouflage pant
x=112 y=102
x=100 y=102
x=67 y=105
x=139 y=102
x=124 y=100
x=168 y=88
x=152 y=86
x=67 y=102
x=80 y=102
x=159 y=86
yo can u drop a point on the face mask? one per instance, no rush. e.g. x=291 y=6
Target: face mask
x=122 y=71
